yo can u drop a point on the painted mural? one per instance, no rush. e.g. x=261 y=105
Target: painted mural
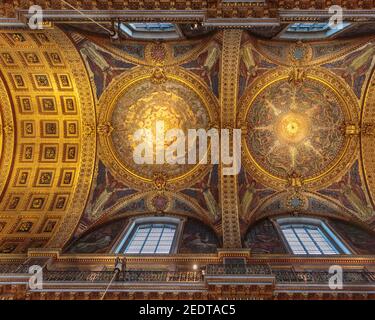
x=361 y=240
x=263 y=238
x=323 y=122
x=355 y=67
x=350 y=191
x=198 y=238
x=99 y=240
x=206 y=193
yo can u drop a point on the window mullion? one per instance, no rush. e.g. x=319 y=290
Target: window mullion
x=300 y=241
x=144 y=242
x=132 y=239
x=161 y=234
x=313 y=240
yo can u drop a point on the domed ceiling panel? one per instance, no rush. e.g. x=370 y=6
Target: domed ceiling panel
x=55 y=139
x=298 y=132
x=141 y=100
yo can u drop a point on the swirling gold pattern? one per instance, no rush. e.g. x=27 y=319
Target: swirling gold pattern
x=304 y=129
x=138 y=101
x=296 y=129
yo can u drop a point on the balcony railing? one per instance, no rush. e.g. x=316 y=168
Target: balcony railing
x=283 y=276
x=128 y=276
x=323 y=277
x=291 y=276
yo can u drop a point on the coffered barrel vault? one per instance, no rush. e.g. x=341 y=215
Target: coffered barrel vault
x=54 y=129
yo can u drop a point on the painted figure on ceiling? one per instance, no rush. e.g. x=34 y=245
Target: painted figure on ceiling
x=249 y=61
x=107 y=191
x=252 y=66
x=250 y=193
x=102 y=66
x=349 y=191
x=355 y=67
x=207 y=66
x=362 y=208
x=210 y=201
x=110 y=188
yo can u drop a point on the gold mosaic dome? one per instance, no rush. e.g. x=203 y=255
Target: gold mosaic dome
x=171 y=101
x=295 y=130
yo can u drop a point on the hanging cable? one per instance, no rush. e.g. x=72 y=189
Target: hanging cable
x=112 y=33
x=120 y=266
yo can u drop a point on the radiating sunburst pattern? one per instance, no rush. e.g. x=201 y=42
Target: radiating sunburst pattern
x=145 y=104
x=296 y=129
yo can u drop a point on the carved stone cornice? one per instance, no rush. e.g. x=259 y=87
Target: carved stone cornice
x=185 y=10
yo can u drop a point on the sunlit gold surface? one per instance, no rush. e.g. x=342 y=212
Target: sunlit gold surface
x=292 y=127
x=180 y=101
x=161 y=106
x=296 y=129
x=54 y=149
x=141 y=108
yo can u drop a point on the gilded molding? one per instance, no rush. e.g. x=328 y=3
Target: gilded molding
x=367 y=138
x=7 y=135
x=87 y=143
x=229 y=91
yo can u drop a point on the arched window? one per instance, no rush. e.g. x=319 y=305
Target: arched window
x=150 y=236
x=308 y=27
x=311 y=30
x=151 y=30
x=306 y=236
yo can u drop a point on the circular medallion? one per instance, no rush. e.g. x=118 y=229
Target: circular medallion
x=156 y=101
x=296 y=131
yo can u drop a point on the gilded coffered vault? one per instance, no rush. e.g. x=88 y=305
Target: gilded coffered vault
x=50 y=123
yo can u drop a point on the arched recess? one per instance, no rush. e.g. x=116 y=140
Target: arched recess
x=264 y=236
x=166 y=202
x=193 y=235
x=308 y=203
x=55 y=133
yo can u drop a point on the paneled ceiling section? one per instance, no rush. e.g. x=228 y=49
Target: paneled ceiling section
x=54 y=129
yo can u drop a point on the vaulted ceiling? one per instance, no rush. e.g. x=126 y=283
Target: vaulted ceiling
x=70 y=95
